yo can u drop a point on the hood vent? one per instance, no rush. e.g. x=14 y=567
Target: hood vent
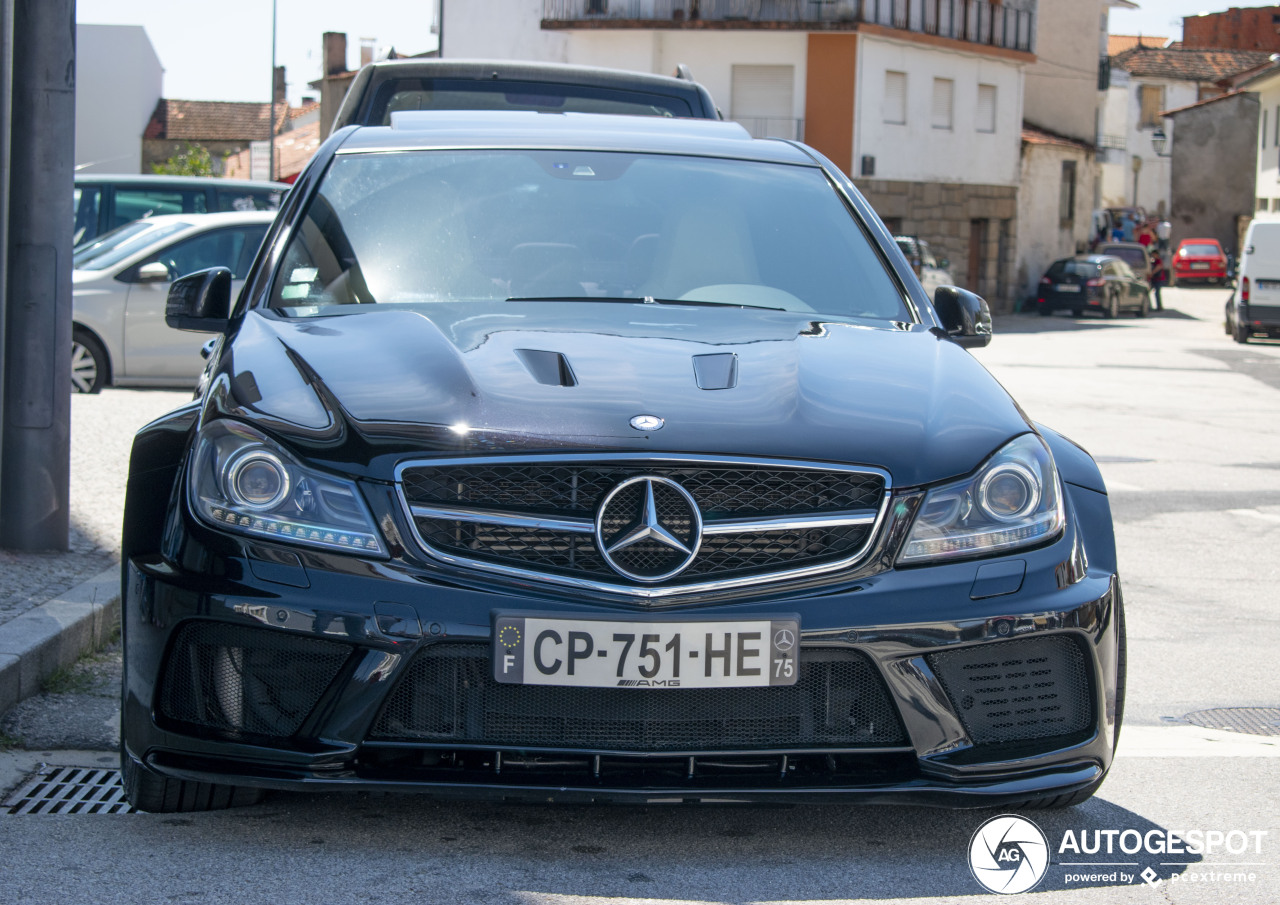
x=550 y=368
x=716 y=372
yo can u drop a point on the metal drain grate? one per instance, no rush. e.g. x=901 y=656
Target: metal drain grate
x=70 y=790
x=1249 y=720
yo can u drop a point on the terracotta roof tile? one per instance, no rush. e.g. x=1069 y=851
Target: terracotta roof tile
x=1187 y=63
x=1034 y=135
x=179 y=120
x=1120 y=43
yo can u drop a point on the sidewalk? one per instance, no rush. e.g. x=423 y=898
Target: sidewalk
x=54 y=606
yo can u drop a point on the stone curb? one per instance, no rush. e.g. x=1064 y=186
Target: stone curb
x=54 y=635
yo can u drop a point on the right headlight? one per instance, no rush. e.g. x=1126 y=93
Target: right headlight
x=1014 y=500
x=242 y=481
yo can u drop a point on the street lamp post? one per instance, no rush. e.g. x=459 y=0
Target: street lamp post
x=271 y=128
x=1159 y=141
x=1137 y=168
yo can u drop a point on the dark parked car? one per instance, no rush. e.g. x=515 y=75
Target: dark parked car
x=1135 y=254
x=104 y=202
x=606 y=458
x=387 y=87
x=1092 y=283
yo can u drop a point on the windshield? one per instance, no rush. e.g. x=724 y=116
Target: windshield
x=503 y=94
x=122 y=242
x=1086 y=269
x=1134 y=257
x=1205 y=251
x=519 y=226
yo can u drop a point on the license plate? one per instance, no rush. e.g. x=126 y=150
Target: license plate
x=1067 y=287
x=1199 y=266
x=613 y=653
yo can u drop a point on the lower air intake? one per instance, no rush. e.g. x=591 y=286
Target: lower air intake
x=1012 y=691
x=448 y=695
x=240 y=679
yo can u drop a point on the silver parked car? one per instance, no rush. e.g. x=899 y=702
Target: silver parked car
x=120 y=284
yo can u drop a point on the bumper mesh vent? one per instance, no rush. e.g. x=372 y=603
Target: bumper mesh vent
x=241 y=679
x=1013 y=691
x=448 y=695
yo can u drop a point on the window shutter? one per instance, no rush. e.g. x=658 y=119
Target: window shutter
x=895 y=97
x=986 y=116
x=943 y=102
x=761 y=99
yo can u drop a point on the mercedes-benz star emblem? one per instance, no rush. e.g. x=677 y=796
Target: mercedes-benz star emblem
x=648 y=529
x=783 y=641
x=647 y=422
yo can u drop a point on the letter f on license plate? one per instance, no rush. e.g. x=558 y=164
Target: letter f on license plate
x=610 y=653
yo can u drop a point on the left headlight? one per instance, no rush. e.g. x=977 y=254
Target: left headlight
x=1014 y=500
x=239 y=480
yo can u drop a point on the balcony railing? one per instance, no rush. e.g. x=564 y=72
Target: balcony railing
x=772 y=126
x=1009 y=24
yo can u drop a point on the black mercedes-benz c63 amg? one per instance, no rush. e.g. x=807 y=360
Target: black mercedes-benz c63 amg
x=585 y=457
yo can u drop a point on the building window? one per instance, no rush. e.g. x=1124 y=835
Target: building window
x=1150 y=102
x=1067 y=193
x=1262 y=204
x=895 y=98
x=985 y=121
x=944 y=91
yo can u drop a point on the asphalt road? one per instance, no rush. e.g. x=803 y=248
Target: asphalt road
x=1187 y=427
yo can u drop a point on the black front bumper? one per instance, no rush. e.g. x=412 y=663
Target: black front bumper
x=317 y=656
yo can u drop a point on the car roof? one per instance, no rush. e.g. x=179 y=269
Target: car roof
x=1205 y=241
x=1122 y=245
x=526 y=71
x=185 y=181
x=438 y=129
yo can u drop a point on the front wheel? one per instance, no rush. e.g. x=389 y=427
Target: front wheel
x=88 y=363
x=1145 y=308
x=1113 y=307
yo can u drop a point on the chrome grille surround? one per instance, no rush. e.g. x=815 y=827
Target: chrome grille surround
x=779 y=529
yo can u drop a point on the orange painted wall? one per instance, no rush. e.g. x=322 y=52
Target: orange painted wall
x=828 y=104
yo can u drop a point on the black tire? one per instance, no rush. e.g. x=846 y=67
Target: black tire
x=1044 y=310
x=89 y=364
x=1077 y=312
x=1241 y=334
x=149 y=791
x=1112 y=310
x=1144 y=307
x=1071 y=799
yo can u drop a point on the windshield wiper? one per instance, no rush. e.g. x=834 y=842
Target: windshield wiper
x=645 y=300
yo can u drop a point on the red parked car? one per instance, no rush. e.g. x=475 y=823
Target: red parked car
x=1200 y=260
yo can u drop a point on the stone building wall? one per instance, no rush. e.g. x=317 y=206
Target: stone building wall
x=947 y=215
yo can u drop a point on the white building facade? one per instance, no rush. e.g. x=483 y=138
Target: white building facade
x=119 y=80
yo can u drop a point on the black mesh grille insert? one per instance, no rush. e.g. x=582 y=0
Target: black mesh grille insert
x=242 y=679
x=1018 y=690
x=574 y=490
x=448 y=695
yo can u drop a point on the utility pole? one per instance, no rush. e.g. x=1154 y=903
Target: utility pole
x=271 y=148
x=35 y=460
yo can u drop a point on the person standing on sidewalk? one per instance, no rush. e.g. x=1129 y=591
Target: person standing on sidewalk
x=1159 y=276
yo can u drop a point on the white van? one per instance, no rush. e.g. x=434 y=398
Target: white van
x=1255 y=305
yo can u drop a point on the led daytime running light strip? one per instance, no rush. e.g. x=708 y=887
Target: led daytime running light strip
x=979 y=540
x=268 y=527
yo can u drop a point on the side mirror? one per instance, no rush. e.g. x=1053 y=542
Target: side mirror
x=200 y=302
x=965 y=316
x=944 y=263
x=155 y=272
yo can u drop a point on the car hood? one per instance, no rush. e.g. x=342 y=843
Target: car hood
x=361 y=391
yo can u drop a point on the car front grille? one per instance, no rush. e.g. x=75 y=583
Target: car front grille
x=448 y=696
x=1015 y=691
x=539 y=516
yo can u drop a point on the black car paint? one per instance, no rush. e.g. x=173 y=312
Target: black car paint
x=280 y=375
